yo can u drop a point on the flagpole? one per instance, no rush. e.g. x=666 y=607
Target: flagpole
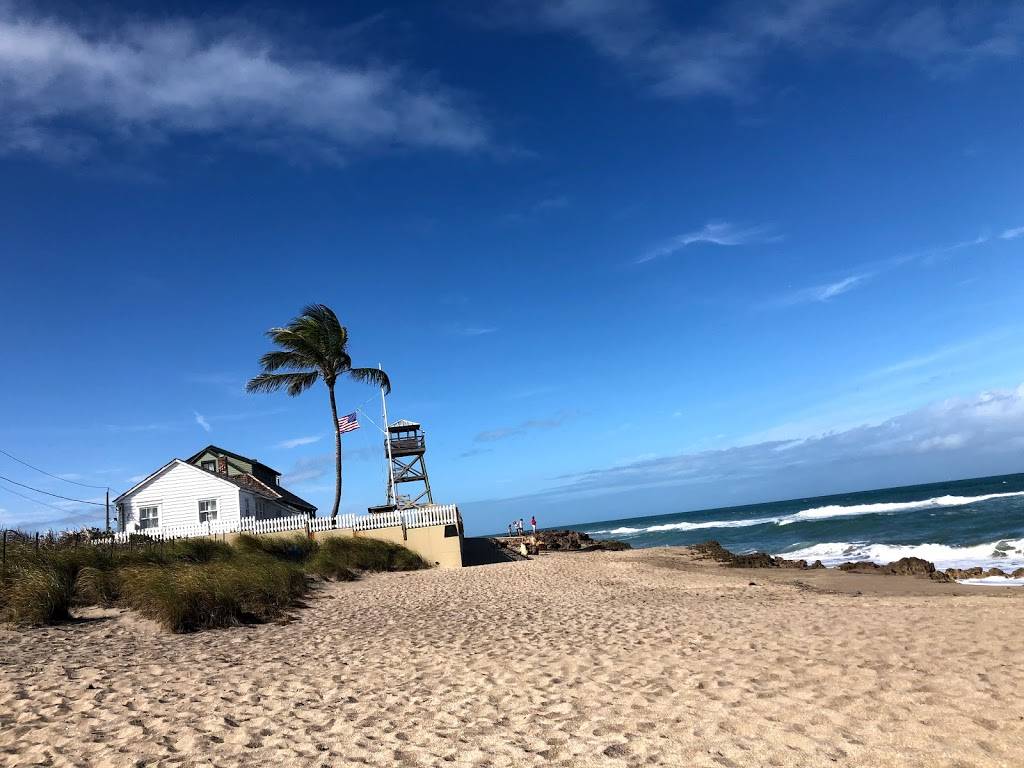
x=387 y=445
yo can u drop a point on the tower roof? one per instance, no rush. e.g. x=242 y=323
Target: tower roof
x=403 y=425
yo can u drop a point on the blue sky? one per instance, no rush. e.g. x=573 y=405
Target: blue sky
x=618 y=258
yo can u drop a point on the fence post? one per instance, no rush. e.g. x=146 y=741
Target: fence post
x=37 y=541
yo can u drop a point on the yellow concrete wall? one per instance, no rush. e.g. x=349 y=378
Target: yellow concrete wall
x=429 y=543
x=334 y=532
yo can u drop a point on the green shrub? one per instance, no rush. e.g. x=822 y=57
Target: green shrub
x=293 y=549
x=98 y=586
x=339 y=557
x=187 y=598
x=38 y=593
x=198 y=550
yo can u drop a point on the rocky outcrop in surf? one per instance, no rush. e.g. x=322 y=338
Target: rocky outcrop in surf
x=560 y=541
x=905 y=566
x=574 y=541
x=718 y=553
x=983 y=573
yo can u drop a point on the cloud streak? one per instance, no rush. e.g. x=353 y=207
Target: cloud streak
x=68 y=89
x=202 y=422
x=473 y=330
x=822 y=293
x=724 y=54
x=295 y=442
x=713 y=233
x=531 y=425
x=958 y=435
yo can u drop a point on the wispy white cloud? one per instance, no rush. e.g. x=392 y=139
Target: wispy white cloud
x=1012 y=234
x=724 y=54
x=311 y=468
x=531 y=425
x=473 y=330
x=202 y=422
x=713 y=233
x=983 y=430
x=68 y=88
x=535 y=210
x=821 y=293
x=949 y=352
x=295 y=442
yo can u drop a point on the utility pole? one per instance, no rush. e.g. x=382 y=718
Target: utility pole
x=108 y=510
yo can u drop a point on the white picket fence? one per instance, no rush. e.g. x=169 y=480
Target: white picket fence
x=420 y=517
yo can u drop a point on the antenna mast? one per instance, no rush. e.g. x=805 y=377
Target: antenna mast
x=392 y=499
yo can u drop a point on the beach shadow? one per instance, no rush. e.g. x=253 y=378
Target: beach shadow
x=484 y=551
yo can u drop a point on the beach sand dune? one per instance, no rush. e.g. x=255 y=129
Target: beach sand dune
x=638 y=658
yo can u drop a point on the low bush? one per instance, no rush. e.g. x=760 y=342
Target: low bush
x=293 y=549
x=339 y=557
x=185 y=585
x=98 y=586
x=199 y=550
x=187 y=598
x=37 y=593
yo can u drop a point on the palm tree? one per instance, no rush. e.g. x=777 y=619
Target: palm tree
x=314 y=347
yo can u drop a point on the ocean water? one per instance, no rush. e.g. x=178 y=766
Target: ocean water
x=958 y=524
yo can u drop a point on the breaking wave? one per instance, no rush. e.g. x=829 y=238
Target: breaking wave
x=627 y=531
x=1007 y=554
x=838 y=510
x=815 y=513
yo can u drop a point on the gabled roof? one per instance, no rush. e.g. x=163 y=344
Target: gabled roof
x=217 y=449
x=244 y=480
x=153 y=475
x=257 y=486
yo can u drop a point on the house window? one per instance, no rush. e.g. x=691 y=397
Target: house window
x=245 y=500
x=210 y=465
x=149 y=517
x=207 y=510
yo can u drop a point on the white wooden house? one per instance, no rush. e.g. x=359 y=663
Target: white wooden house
x=213 y=486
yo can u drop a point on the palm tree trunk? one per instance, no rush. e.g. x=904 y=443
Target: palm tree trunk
x=337 y=456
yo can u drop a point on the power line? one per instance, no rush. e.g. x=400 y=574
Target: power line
x=35 y=501
x=55 y=495
x=48 y=474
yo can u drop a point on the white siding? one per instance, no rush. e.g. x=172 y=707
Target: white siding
x=263 y=508
x=177 y=492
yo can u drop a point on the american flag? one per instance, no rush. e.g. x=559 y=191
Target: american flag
x=348 y=423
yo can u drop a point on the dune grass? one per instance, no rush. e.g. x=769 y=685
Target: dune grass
x=185 y=585
x=336 y=556
x=187 y=598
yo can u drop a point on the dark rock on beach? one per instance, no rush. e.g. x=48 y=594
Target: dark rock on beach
x=905 y=566
x=564 y=541
x=715 y=551
x=575 y=541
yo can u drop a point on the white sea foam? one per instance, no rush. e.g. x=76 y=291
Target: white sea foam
x=852 y=510
x=626 y=531
x=1007 y=554
x=993 y=581
x=816 y=513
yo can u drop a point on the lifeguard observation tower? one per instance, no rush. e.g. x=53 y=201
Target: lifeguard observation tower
x=405 y=446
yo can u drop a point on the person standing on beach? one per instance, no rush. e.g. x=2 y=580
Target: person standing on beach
x=520 y=526
x=533 y=523
x=510 y=530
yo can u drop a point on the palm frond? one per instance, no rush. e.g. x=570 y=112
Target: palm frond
x=295 y=383
x=275 y=361
x=302 y=381
x=374 y=376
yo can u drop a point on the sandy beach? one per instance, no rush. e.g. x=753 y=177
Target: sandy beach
x=634 y=658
